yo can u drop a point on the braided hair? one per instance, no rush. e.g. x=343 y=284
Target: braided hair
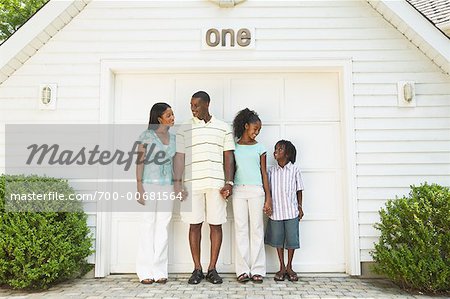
x=245 y=116
x=289 y=149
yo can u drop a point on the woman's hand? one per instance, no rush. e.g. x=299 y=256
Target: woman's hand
x=141 y=191
x=180 y=191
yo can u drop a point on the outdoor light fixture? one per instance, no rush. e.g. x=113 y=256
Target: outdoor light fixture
x=47 y=96
x=406 y=94
x=227 y=3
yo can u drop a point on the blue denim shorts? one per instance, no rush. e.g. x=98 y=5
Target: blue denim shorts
x=283 y=233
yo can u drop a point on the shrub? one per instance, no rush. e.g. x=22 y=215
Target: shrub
x=414 y=246
x=39 y=249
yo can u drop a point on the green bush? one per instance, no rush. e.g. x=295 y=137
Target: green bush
x=414 y=246
x=39 y=249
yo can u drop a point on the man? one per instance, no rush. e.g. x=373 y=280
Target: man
x=205 y=152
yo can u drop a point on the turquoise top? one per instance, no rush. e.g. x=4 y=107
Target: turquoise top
x=154 y=173
x=248 y=164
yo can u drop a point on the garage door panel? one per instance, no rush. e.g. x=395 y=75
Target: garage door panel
x=312 y=96
x=260 y=94
x=125 y=226
x=316 y=144
x=138 y=93
x=319 y=238
x=320 y=195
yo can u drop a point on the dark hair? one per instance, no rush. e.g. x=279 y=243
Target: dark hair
x=245 y=116
x=202 y=95
x=289 y=149
x=155 y=113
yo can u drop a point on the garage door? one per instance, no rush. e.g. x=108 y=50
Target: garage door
x=301 y=107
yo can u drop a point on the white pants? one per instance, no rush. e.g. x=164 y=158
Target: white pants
x=248 y=203
x=152 y=254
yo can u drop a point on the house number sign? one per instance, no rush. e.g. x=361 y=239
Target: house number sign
x=228 y=38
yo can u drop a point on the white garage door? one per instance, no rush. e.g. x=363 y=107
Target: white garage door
x=301 y=107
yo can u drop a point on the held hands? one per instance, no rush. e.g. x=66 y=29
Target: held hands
x=267 y=209
x=226 y=191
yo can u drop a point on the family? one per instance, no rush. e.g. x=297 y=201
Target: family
x=218 y=163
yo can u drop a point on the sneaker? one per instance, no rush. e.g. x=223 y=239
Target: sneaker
x=196 y=277
x=213 y=277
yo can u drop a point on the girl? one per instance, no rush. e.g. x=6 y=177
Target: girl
x=251 y=197
x=286 y=187
x=154 y=182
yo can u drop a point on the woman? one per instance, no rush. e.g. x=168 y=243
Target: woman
x=155 y=188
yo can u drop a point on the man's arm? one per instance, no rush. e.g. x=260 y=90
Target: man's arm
x=228 y=165
x=178 y=170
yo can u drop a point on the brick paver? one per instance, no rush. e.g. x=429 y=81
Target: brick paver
x=128 y=286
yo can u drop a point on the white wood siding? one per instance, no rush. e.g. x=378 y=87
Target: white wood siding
x=396 y=147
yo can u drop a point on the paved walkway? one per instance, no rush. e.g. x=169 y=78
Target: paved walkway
x=127 y=286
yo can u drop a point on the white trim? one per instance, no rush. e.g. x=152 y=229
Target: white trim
x=353 y=258
x=32 y=28
x=110 y=67
x=103 y=226
x=420 y=25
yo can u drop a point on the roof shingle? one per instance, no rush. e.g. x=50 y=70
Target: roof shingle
x=438 y=11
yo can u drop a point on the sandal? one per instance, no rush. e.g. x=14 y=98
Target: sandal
x=279 y=276
x=292 y=276
x=257 y=278
x=161 y=280
x=147 y=281
x=243 y=278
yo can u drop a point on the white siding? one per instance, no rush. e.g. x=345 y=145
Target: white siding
x=396 y=147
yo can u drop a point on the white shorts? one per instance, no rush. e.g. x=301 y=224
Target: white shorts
x=208 y=201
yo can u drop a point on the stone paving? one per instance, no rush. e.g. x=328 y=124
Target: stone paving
x=128 y=286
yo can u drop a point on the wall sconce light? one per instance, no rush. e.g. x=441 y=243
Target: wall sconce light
x=406 y=94
x=47 y=96
x=227 y=3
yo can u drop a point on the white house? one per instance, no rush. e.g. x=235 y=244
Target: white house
x=362 y=88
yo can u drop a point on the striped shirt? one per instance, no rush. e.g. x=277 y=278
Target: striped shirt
x=284 y=184
x=203 y=145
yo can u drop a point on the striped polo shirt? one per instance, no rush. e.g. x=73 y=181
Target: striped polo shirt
x=284 y=184
x=203 y=145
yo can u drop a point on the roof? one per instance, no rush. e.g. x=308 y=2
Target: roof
x=418 y=29
x=56 y=14
x=437 y=11
x=36 y=32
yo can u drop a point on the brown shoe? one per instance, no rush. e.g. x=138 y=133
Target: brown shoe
x=279 y=276
x=291 y=276
x=147 y=281
x=257 y=278
x=243 y=278
x=161 y=280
